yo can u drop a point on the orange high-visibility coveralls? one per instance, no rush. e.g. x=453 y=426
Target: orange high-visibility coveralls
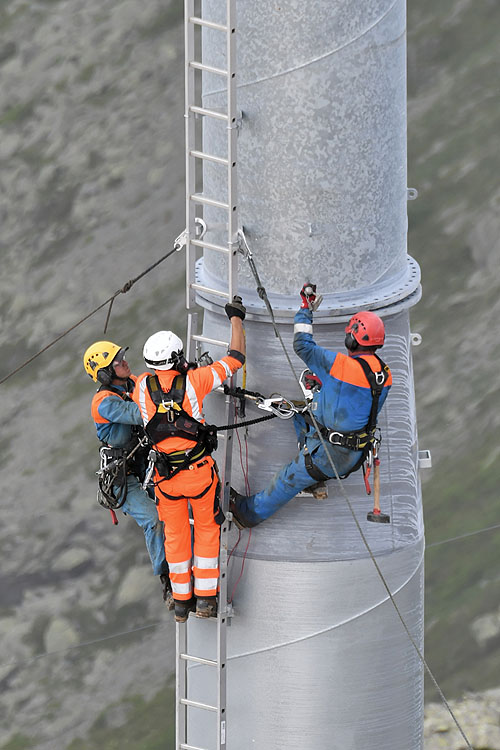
x=196 y=484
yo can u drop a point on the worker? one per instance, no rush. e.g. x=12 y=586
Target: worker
x=171 y=403
x=119 y=427
x=342 y=410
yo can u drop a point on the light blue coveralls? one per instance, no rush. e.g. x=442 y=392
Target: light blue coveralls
x=120 y=415
x=339 y=405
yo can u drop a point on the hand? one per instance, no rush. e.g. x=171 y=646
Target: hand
x=308 y=294
x=310 y=301
x=312 y=382
x=236 y=308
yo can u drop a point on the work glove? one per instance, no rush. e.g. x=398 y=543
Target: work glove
x=236 y=308
x=312 y=382
x=310 y=301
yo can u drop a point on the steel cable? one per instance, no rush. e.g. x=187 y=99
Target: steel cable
x=124 y=289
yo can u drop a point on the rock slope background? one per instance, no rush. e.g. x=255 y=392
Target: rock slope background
x=91 y=193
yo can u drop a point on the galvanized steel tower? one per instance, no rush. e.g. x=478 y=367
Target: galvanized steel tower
x=317 y=657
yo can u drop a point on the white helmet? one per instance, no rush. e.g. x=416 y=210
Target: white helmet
x=160 y=347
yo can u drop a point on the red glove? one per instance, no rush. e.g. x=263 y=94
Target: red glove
x=308 y=294
x=312 y=382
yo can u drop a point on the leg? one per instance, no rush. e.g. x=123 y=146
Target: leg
x=143 y=511
x=175 y=515
x=285 y=485
x=206 y=542
x=290 y=480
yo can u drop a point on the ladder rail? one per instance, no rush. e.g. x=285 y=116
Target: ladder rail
x=197 y=202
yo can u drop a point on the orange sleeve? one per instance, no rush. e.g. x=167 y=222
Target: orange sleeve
x=206 y=379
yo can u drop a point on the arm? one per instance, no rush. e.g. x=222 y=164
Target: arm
x=211 y=377
x=237 y=343
x=318 y=359
x=114 y=409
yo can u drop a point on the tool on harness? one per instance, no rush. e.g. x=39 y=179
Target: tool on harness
x=376 y=515
x=171 y=420
x=152 y=455
x=115 y=466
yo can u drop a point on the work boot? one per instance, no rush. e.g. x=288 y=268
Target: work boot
x=236 y=501
x=183 y=608
x=206 y=607
x=168 y=597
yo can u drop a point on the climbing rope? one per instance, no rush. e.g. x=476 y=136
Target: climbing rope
x=124 y=289
x=263 y=295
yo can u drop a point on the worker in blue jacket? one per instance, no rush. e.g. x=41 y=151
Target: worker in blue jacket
x=344 y=409
x=119 y=427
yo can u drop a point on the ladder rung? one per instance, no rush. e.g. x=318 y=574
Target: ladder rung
x=209 y=290
x=209 y=157
x=207 y=68
x=198 y=660
x=208 y=24
x=206 y=340
x=183 y=746
x=198 y=198
x=210 y=246
x=208 y=113
x=195 y=704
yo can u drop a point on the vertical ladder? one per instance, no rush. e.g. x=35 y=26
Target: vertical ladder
x=194 y=23
x=196 y=154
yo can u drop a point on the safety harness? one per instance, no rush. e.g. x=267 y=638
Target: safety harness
x=171 y=420
x=116 y=463
x=366 y=440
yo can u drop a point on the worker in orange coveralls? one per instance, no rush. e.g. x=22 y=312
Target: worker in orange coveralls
x=171 y=403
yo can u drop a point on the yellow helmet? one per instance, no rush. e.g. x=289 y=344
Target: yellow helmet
x=98 y=356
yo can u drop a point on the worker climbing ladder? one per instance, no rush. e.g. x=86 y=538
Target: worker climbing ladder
x=210 y=657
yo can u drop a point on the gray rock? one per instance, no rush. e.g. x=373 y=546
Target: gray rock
x=137 y=584
x=60 y=635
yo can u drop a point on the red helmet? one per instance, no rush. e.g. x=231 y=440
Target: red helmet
x=366 y=328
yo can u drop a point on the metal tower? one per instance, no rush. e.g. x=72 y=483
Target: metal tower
x=316 y=655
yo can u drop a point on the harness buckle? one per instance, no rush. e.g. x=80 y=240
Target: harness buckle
x=379 y=377
x=335 y=438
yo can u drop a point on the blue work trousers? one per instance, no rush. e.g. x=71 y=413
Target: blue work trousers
x=294 y=477
x=143 y=510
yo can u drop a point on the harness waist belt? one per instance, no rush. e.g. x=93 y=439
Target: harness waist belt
x=354 y=441
x=167 y=462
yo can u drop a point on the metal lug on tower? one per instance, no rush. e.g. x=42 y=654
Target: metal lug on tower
x=200 y=227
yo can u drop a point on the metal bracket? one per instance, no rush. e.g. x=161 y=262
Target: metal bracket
x=243 y=247
x=200 y=231
x=200 y=227
x=424 y=459
x=238 y=121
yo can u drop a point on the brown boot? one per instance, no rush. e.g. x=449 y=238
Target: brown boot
x=206 y=607
x=168 y=597
x=183 y=608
